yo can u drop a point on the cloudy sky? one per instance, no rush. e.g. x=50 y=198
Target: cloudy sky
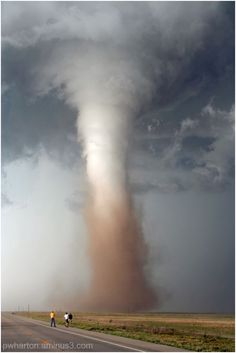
x=175 y=62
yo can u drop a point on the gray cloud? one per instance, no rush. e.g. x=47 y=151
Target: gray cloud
x=197 y=155
x=43 y=44
x=29 y=126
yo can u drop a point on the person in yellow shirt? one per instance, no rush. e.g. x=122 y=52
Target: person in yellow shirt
x=52 y=316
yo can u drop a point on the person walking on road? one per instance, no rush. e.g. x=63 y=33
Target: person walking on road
x=52 y=316
x=66 y=317
x=70 y=317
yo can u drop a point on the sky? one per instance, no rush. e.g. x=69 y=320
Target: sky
x=172 y=64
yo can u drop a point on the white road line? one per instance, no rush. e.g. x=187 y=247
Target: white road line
x=90 y=337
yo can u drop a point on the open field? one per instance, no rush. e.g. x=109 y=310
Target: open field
x=198 y=332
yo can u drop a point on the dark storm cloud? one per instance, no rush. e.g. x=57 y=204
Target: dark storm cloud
x=185 y=69
x=28 y=126
x=30 y=123
x=199 y=154
x=194 y=143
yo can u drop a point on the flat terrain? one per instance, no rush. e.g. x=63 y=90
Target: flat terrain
x=197 y=332
x=22 y=334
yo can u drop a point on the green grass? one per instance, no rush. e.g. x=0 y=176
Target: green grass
x=197 y=332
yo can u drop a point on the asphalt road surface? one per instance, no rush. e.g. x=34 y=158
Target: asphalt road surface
x=26 y=335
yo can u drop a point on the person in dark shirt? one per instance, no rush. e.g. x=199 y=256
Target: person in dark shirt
x=70 y=317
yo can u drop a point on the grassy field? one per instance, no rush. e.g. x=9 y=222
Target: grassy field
x=197 y=332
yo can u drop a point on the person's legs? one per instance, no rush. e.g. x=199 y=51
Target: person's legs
x=51 y=321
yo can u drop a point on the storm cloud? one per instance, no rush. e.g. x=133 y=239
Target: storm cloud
x=177 y=65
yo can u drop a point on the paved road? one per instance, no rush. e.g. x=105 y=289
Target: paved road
x=26 y=335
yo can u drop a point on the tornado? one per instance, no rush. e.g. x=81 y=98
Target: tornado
x=111 y=63
x=116 y=245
